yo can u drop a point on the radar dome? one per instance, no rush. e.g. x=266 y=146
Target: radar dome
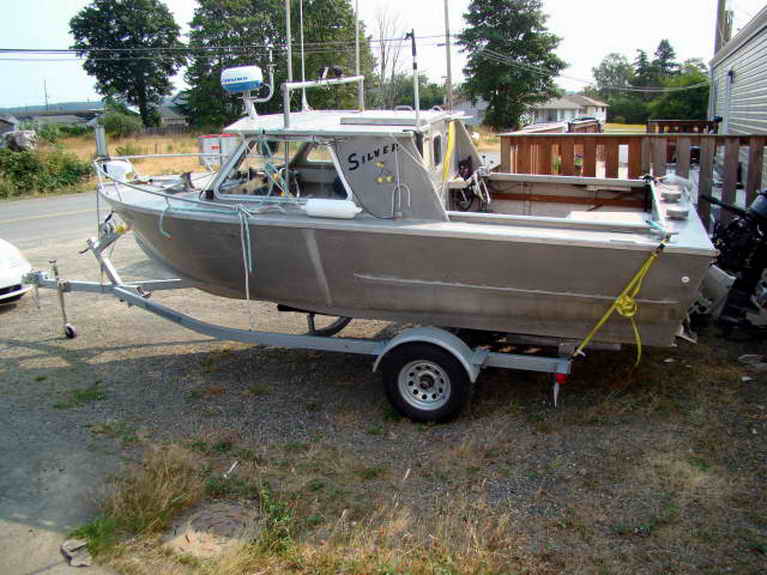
x=242 y=79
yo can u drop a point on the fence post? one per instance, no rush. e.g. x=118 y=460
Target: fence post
x=729 y=187
x=102 y=150
x=705 y=181
x=683 y=157
x=755 y=165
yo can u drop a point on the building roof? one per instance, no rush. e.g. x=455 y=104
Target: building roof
x=586 y=101
x=8 y=119
x=170 y=113
x=60 y=119
x=563 y=103
x=570 y=102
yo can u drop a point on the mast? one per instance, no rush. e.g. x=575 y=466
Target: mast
x=411 y=35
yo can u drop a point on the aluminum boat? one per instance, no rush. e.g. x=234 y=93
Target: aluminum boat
x=348 y=213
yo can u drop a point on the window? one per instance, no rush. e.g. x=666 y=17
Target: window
x=436 y=150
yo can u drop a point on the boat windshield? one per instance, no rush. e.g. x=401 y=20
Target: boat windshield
x=260 y=171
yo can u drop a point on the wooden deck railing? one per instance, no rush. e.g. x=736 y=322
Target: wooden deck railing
x=578 y=155
x=685 y=126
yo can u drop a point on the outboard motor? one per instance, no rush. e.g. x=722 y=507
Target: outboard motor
x=742 y=245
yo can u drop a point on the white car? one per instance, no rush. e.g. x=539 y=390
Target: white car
x=13 y=266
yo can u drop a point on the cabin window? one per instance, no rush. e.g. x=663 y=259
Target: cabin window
x=259 y=171
x=436 y=150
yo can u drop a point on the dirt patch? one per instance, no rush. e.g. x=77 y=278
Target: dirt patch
x=211 y=529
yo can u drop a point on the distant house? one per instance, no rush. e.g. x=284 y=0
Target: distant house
x=60 y=120
x=569 y=107
x=171 y=116
x=63 y=113
x=738 y=80
x=8 y=124
x=474 y=111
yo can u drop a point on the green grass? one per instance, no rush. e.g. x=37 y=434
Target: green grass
x=81 y=397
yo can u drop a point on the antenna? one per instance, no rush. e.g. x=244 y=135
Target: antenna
x=411 y=35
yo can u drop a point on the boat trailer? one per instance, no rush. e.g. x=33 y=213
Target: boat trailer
x=428 y=372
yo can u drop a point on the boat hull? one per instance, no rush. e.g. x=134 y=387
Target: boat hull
x=407 y=273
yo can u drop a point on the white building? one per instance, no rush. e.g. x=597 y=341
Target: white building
x=569 y=107
x=739 y=84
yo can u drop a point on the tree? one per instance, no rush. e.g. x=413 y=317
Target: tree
x=689 y=104
x=224 y=34
x=430 y=94
x=389 y=65
x=242 y=30
x=524 y=75
x=139 y=76
x=664 y=61
x=615 y=71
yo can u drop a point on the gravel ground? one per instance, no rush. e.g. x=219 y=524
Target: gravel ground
x=74 y=410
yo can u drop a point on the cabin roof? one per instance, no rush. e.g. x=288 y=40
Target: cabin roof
x=340 y=123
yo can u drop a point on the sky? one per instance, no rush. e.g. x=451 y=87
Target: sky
x=590 y=29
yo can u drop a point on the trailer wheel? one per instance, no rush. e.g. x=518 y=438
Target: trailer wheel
x=425 y=382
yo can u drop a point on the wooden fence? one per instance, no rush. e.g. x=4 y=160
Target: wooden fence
x=578 y=154
x=685 y=126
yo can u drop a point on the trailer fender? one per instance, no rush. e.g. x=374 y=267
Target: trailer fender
x=441 y=338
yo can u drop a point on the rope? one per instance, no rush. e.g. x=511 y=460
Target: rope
x=625 y=304
x=162 y=219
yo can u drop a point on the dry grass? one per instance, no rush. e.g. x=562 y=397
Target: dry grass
x=146 y=496
x=642 y=471
x=85 y=148
x=623 y=128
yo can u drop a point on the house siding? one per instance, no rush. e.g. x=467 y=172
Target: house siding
x=742 y=100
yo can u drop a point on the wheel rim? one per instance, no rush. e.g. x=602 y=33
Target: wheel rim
x=424 y=385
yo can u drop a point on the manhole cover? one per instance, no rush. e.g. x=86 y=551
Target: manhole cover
x=212 y=528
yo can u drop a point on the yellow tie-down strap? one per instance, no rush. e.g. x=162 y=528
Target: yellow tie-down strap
x=625 y=304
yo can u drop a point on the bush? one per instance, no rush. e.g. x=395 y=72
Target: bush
x=119 y=124
x=48 y=133
x=75 y=130
x=39 y=171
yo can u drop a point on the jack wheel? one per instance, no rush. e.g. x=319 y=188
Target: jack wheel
x=70 y=331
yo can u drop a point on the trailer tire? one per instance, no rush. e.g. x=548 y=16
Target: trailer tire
x=425 y=382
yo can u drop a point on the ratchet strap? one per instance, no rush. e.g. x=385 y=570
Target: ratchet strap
x=625 y=304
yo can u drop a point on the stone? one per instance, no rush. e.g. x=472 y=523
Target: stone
x=81 y=558
x=20 y=140
x=71 y=545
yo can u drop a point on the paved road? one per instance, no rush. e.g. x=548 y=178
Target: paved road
x=58 y=218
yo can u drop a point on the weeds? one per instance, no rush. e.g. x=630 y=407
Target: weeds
x=145 y=497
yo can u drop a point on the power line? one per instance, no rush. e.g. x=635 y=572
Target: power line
x=499 y=58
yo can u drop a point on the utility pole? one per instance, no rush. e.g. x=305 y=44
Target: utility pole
x=360 y=93
x=290 y=44
x=449 y=70
x=45 y=90
x=719 y=39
